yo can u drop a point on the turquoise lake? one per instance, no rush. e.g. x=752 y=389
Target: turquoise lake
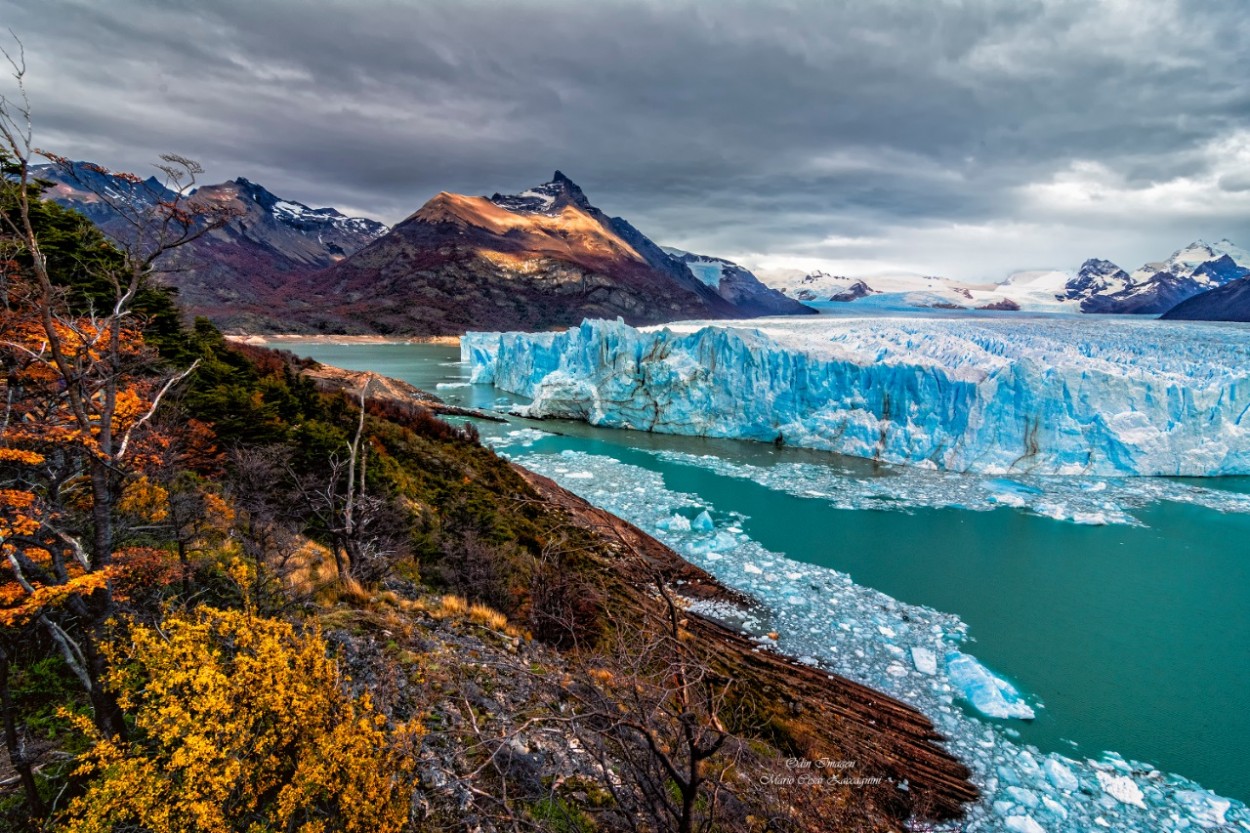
x=1134 y=638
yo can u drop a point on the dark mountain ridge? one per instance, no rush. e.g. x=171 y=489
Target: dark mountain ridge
x=1230 y=302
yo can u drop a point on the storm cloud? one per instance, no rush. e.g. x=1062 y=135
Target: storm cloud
x=966 y=138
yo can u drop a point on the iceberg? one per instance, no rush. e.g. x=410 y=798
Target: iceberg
x=990 y=695
x=985 y=395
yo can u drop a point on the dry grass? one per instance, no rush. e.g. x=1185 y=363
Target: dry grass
x=488 y=617
x=310 y=569
x=449 y=606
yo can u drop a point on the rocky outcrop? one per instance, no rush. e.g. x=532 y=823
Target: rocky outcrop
x=854 y=292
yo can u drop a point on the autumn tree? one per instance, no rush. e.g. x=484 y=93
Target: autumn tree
x=366 y=532
x=241 y=724
x=80 y=388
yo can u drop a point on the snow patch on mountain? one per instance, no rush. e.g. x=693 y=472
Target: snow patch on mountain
x=709 y=270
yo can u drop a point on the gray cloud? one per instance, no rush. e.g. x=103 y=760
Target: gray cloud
x=948 y=136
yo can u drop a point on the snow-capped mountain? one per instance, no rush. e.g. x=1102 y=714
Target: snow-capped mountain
x=733 y=282
x=231 y=273
x=1096 y=277
x=902 y=290
x=339 y=234
x=544 y=257
x=1101 y=286
x=1229 y=301
x=258 y=213
x=1098 y=286
x=819 y=285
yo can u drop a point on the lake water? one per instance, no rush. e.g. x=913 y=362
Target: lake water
x=1132 y=638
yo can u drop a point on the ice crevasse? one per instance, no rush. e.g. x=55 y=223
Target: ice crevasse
x=1066 y=396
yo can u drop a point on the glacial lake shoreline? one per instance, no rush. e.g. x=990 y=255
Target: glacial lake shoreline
x=1105 y=627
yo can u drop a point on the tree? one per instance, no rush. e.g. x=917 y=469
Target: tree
x=80 y=388
x=365 y=532
x=660 y=712
x=241 y=724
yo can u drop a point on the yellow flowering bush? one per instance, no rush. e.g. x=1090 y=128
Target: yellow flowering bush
x=241 y=725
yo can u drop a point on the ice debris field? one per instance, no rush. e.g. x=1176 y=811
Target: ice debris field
x=912 y=653
x=1060 y=397
x=1093 y=501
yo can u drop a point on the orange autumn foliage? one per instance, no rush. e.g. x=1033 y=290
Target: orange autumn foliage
x=49 y=441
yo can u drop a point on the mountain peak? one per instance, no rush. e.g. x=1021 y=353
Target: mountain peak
x=258 y=194
x=549 y=198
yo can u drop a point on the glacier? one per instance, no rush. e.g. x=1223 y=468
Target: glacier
x=1055 y=396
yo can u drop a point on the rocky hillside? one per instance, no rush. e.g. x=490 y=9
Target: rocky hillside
x=1230 y=302
x=539 y=259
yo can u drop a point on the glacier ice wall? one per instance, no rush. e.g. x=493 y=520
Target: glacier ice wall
x=1060 y=396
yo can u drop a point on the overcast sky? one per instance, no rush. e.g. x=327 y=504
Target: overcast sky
x=966 y=138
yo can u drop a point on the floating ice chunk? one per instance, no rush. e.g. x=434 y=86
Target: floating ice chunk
x=721 y=542
x=990 y=695
x=521 y=437
x=1205 y=809
x=703 y=522
x=1023 y=824
x=1010 y=492
x=1028 y=767
x=677 y=523
x=1023 y=797
x=924 y=660
x=838 y=626
x=1122 y=788
x=1054 y=807
x=1060 y=775
x=905 y=489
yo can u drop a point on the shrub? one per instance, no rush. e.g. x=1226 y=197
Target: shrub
x=240 y=724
